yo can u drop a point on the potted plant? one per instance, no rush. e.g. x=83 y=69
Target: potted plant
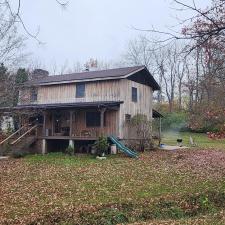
x=101 y=145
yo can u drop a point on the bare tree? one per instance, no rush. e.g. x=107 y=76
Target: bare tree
x=205 y=25
x=140 y=52
x=166 y=63
x=171 y=69
x=13 y=15
x=181 y=75
x=11 y=43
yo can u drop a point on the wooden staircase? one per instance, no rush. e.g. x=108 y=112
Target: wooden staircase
x=21 y=139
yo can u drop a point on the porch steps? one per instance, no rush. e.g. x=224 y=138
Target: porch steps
x=19 y=141
x=24 y=144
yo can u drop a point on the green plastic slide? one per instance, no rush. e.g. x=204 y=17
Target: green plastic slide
x=123 y=148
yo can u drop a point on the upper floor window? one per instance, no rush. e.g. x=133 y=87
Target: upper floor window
x=80 y=90
x=34 y=94
x=134 y=94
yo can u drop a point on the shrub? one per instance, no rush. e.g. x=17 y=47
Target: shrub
x=174 y=121
x=18 y=154
x=5 y=149
x=208 y=118
x=140 y=128
x=101 y=145
x=69 y=150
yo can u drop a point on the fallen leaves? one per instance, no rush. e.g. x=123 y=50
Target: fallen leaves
x=36 y=186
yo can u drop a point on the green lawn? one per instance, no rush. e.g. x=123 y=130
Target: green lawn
x=181 y=187
x=200 y=139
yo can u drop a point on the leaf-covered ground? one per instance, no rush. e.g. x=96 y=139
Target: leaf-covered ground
x=161 y=187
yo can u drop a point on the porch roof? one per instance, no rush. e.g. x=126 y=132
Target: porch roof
x=101 y=104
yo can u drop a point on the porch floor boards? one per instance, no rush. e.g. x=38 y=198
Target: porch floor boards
x=69 y=138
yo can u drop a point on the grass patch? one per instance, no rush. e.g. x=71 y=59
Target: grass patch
x=160 y=209
x=170 y=138
x=61 y=189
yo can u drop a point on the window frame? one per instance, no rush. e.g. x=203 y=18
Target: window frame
x=134 y=94
x=99 y=119
x=95 y=124
x=33 y=94
x=127 y=118
x=78 y=94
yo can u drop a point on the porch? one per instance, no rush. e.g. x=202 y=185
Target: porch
x=79 y=124
x=71 y=121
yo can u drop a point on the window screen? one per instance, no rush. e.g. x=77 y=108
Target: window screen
x=134 y=94
x=33 y=94
x=93 y=119
x=127 y=117
x=80 y=90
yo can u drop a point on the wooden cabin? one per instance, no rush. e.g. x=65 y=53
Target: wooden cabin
x=79 y=107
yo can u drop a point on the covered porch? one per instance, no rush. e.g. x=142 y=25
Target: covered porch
x=78 y=121
x=80 y=124
x=70 y=123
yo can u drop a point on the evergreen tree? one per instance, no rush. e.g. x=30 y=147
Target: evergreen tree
x=21 y=76
x=4 y=76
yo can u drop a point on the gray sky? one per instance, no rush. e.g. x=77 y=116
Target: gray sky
x=91 y=28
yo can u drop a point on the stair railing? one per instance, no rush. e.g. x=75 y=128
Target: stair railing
x=27 y=132
x=12 y=135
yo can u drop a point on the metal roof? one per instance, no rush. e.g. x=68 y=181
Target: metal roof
x=118 y=73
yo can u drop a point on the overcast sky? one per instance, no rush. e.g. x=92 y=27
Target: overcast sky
x=91 y=28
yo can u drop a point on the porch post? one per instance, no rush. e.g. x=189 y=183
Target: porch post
x=160 y=130
x=53 y=119
x=102 y=117
x=102 y=111
x=44 y=124
x=71 y=123
x=44 y=146
x=20 y=123
x=71 y=143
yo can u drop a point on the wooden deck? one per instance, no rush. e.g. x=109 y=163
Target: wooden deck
x=69 y=138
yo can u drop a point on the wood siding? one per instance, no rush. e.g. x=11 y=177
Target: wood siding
x=142 y=106
x=65 y=93
x=113 y=90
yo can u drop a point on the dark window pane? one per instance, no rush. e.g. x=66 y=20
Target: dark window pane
x=134 y=94
x=34 y=95
x=93 y=119
x=127 y=117
x=80 y=90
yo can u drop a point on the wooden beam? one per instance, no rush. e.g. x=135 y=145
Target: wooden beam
x=27 y=132
x=102 y=116
x=12 y=135
x=160 y=130
x=44 y=124
x=71 y=123
x=44 y=146
x=53 y=121
x=20 y=124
